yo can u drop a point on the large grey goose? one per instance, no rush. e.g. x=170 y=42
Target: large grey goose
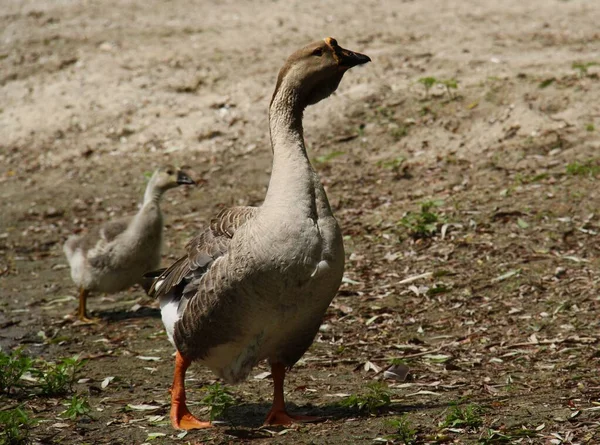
x=256 y=283
x=117 y=254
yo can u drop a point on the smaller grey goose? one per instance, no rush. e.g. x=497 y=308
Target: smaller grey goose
x=256 y=283
x=116 y=255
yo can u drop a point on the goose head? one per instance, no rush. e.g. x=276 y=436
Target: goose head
x=314 y=72
x=168 y=177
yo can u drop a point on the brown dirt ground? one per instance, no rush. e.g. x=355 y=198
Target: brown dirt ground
x=93 y=94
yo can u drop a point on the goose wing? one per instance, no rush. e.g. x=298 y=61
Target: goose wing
x=112 y=229
x=94 y=244
x=202 y=251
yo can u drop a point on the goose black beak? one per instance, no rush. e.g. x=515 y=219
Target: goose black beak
x=346 y=59
x=182 y=178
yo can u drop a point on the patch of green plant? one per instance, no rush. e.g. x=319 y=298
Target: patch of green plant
x=384 y=112
x=590 y=127
x=427 y=82
x=437 y=290
x=376 y=398
x=77 y=406
x=397 y=361
x=399 y=132
x=582 y=67
x=588 y=168
x=491 y=436
x=425 y=111
x=467 y=417
x=328 y=157
x=12 y=367
x=405 y=433
x=546 y=82
x=425 y=223
x=450 y=84
x=392 y=164
x=56 y=379
x=15 y=425
x=218 y=399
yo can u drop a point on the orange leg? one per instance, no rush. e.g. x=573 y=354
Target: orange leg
x=181 y=418
x=278 y=415
x=82 y=312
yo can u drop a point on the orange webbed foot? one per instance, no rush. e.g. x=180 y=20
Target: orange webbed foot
x=281 y=417
x=182 y=419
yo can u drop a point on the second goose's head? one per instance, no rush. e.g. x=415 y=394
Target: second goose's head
x=314 y=72
x=168 y=177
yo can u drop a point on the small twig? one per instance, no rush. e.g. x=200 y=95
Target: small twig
x=415 y=278
x=333 y=362
x=585 y=341
x=419 y=354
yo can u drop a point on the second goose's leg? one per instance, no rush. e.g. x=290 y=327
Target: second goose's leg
x=181 y=418
x=82 y=311
x=278 y=415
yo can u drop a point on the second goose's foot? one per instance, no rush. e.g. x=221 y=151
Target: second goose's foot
x=84 y=319
x=181 y=418
x=82 y=311
x=281 y=417
x=278 y=414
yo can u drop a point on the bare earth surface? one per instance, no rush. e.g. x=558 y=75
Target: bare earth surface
x=498 y=310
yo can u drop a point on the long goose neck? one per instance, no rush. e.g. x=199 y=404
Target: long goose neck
x=291 y=181
x=149 y=217
x=153 y=194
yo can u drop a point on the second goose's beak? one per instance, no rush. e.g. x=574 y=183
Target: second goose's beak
x=182 y=178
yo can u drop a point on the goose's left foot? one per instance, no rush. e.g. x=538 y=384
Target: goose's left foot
x=181 y=418
x=278 y=414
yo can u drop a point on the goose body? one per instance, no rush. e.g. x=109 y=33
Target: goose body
x=117 y=254
x=256 y=283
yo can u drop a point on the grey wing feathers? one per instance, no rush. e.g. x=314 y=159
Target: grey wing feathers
x=98 y=238
x=112 y=229
x=203 y=250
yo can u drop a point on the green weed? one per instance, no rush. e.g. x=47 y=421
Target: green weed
x=427 y=82
x=425 y=223
x=218 y=399
x=588 y=168
x=467 y=417
x=582 y=67
x=328 y=157
x=377 y=398
x=12 y=367
x=491 y=436
x=77 y=406
x=393 y=164
x=57 y=378
x=546 y=82
x=437 y=290
x=590 y=127
x=15 y=426
x=399 y=132
x=450 y=84
x=405 y=433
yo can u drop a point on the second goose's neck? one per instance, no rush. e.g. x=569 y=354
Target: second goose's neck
x=153 y=194
x=291 y=181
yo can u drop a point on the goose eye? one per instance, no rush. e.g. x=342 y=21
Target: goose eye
x=317 y=52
